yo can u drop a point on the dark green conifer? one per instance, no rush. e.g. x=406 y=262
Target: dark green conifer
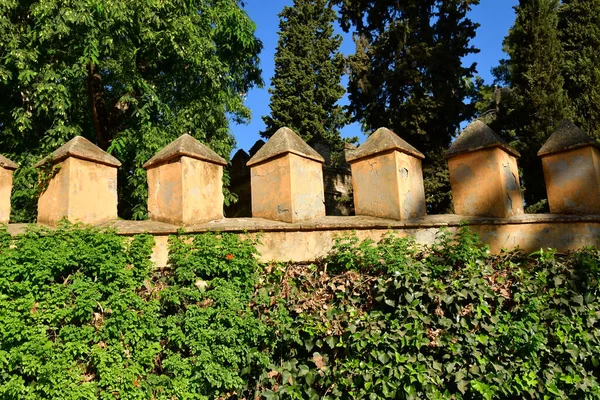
x=407 y=74
x=307 y=86
x=579 y=28
x=534 y=101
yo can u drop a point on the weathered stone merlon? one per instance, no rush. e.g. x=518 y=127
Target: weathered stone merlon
x=387 y=177
x=186 y=146
x=571 y=162
x=81 y=186
x=287 y=179
x=6 y=172
x=185 y=183
x=484 y=174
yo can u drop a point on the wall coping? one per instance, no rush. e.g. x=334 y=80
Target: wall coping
x=328 y=223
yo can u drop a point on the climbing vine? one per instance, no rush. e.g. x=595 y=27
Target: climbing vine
x=85 y=315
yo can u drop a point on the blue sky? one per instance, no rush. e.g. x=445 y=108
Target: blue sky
x=495 y=17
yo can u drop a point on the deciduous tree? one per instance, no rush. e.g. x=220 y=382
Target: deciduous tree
x=132 y=75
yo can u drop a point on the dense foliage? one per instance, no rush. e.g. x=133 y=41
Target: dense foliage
x=130 y=75
x=579 y=32
x=407 y=75
x=551 y=74
x=449 y=321
x=84 y=315
x=308 y=71
x=533 y=101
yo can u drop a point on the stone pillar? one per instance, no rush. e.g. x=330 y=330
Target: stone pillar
x=287 y=179
x=387 y=177
x=571 y=162
x=185 y=183
x=6 y=172
x=80 y=184
x=484 y=174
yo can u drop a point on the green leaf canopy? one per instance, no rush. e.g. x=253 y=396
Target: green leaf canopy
x=131 y=75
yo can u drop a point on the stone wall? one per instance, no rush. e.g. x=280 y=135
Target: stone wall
x=284 y=185
x=337 y=182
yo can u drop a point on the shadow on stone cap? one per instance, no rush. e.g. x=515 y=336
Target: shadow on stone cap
x=478 y=136
x=7 y=164
x=240 y=156
x=380 y=141
x=80 y=147
x=256 y=147
x=187 y=146
x=285 y=141
x=568 y=136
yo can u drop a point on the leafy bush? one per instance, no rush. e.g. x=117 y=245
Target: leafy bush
x=84 y=315
x=397 y=320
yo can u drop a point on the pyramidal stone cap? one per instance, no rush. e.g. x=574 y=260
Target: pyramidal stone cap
x=187 y=146
x=7 y=164
x=478 y=136
x=285 y=141
x=80 y=147
x=380 y=141
x=240 y=156
x=567 y=137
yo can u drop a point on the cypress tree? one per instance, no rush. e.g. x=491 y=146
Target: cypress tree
x=579 y=28
x=407 y=74
x=534 y=102
x=308 y=70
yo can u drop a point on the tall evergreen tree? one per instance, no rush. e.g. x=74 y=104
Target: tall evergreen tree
x=534 y=101
x=407 y=74
x=307 y=86
x=579 y=27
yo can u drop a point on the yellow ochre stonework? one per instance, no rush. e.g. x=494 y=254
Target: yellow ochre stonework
x=571 y=162
x=185 y=183
x=387 y=177
x=483 y=174
x=287 y=193
x=83 y=186
x=286 y=178
x=6 y=173
x=485 y=183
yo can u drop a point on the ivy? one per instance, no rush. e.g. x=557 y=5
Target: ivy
x=452 y=321
x=85 y=315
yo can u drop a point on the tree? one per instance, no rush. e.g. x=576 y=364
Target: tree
x=307 y=86
x=407 y=74
x=579 y=30
x=131 y=75
x=533 y=102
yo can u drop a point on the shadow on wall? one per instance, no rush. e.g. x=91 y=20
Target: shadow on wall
x=531 y=237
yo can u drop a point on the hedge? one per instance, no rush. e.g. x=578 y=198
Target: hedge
x=84 y=315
